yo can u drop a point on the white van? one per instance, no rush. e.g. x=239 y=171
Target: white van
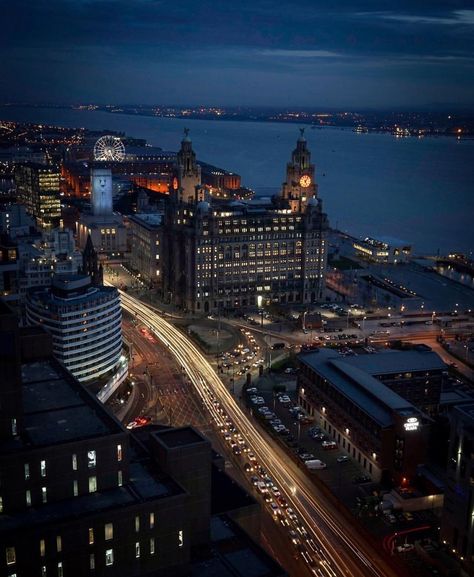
x=315 y=464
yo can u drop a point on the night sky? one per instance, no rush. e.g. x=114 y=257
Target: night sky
x=317 y=53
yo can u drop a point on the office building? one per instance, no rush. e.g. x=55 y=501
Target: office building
x=81 y=496
x=457 y=525
x=372 y=417
x=146 y=239
x=9 y=268
x=230 y=254
x=85 y=322
x=38 y=190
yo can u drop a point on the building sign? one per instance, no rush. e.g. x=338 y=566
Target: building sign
x=411 y=424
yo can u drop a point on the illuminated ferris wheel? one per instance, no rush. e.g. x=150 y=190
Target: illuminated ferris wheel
x=109 y=148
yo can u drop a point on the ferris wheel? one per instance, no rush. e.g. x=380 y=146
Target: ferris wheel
x=109 y=148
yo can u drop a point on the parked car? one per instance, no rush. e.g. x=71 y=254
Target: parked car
x=343 y=459
x=329 y=445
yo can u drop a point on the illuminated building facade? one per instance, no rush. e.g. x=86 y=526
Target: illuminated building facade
x=383 y=251
x=38 y=190
x=226 y=254
x=457 y=525
x=146 y=232
x=386 y=433
x=85 y=322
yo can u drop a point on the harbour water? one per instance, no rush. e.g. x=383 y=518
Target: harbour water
x=418 y=190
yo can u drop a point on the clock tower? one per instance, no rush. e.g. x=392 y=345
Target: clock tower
x=300 y=185
x=187 y=174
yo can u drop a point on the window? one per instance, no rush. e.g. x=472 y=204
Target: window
x=27 y=471
x=28 y=498
x=74 y=462
x=91 y=459
x=44 y=494
x=137 y=524
x=92 y=561
x=75 y=488
x=43 y=468
x=152 y=520
x=109 y=557
x=152 y=545
x=180 y=538
x=119 y=453
x=14 y=427
x=109 y=531
x=92 y=484
x=1 y=504
x=11 y=555
x=43 y=571
x=42 y=547
x=137 y=549
x=91 y=536
x=60 y=569
x=59 y=544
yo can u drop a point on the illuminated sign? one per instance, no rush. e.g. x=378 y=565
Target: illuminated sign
x=411 y=424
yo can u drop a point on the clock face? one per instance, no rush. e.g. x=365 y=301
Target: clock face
x=305 y=180
x=175 y=183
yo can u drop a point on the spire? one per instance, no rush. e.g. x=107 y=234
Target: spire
x=90 y=263
x=186 y=137
x=301 y=137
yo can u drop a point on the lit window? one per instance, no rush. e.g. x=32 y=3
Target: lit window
x=28 y=498
x=119 y=453
x=92 y=484
x=109 y=531
x=75 y=488
x=91 y=459
x=137 y=549
x=43 y=571
x=11 y=555
x=43 y=468
x=152 y=520
x=74 y=462
x=60 y=569
x=92 y=561
x=137 y=523
x=109 y=557
x=59 y=544
x=180 y=538
x=42 y=547
x=14 y=428
x=119 y=478
x=1 y=504
x=44 y=494
x=152 y=545
x=91 y=536
x=27 y=471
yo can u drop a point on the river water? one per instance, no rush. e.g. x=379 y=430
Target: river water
x=417 y=190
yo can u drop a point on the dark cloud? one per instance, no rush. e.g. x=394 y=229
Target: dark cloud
x=162 y=51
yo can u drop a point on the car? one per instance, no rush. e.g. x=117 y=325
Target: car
x=294 y=537
x=252 y=457
x=343 y=459
x=263 y=410
x=248 y=467
x=408 y=516
x=236 y=450
x=254 y=480
x=291 y=514
x=405 y=548
x=289 y=370
x=361 y=479
x=252 y=391
x=275 y=508
x=329 y=445
x=307 y=456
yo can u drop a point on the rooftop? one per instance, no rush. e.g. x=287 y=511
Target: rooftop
x=369 y=394
x=173 y=438
x=58 y=409
x=390 y=361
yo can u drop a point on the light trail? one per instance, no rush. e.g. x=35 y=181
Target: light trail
x=340 y=553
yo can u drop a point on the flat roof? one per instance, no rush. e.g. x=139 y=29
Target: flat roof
x=387 y=362
x=179 y=437
x=57 y=409
x=369 y=394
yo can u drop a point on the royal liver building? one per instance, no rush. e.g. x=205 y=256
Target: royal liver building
x=226 y=254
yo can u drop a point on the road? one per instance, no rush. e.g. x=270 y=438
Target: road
x=341 y=549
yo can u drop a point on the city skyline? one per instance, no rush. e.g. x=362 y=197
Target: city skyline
x=275 y=54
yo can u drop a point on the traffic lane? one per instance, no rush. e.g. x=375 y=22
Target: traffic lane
x=203 y=377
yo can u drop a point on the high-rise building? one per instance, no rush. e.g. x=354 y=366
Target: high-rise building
x=85 y=322
x=146 y=232
x=80 y=495
x=103 y=226
x=38 y=190
x=227 y=254
x=457 y=525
